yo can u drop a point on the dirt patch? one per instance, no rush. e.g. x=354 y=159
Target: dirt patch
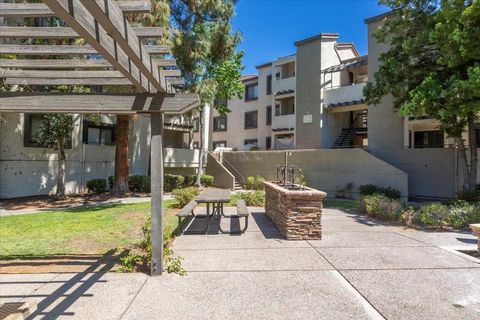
x=59 y=264
x=48 y=202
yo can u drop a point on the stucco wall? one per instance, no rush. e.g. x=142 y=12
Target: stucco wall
x=222 y=177
x=308 y=94
x=26 y=171
x=325 y=169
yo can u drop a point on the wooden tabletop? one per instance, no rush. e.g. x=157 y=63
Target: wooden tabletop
x=213 y=195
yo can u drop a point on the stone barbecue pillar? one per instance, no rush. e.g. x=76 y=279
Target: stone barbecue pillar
x=476 y=231
x=296 y=213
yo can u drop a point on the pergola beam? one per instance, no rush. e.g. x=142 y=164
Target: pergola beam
x=69 y=63
x=68 y=81
x=110 y=18
x=80 y=20
x=69 y=50
x=58 y=102
x=51 y=74
x=32 y=10
x=65 y=32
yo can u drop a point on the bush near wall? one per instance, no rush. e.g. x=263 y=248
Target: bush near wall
x=206 y=180
x=457 y=214
x=380 y=206
x=370 y=189
x=97 y=185
x=173 y=181
x=253 y=198
x=254 y=183
x=139 y=183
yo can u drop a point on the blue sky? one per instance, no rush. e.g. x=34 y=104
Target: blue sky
x=270 y=27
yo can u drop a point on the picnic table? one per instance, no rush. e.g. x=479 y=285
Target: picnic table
x=215 y=197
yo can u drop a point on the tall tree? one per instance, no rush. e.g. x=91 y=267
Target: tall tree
x=55 y=130
x=203 y=44
x=159 y=17
x=432 y=67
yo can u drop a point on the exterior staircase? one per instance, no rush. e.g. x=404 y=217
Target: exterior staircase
x=344 y=140
x=237 y=185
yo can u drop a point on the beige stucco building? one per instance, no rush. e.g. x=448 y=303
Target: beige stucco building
x=314 y=93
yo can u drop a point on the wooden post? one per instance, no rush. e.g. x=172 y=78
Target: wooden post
x=156 y=147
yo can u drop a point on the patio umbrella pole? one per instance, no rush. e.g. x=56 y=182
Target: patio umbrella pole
x=156 y=150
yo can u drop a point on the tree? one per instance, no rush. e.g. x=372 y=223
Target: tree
x=432 y=67
x=204 y=46
x=55 y=130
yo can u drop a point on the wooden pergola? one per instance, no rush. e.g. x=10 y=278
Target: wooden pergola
x=114 y=54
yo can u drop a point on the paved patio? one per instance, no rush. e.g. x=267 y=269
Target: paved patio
x=361 y=269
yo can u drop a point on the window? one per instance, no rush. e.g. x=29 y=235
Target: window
x=99 y=134
x=250 y=141
x=219 y=144
x=251 y=119
x=32 y=123
x=428 y=139
x=269 y=115
x=220 y=123
x=195 y=125
x=251 y=92
x=269 y=84
x=268 y=143
x=350 y=77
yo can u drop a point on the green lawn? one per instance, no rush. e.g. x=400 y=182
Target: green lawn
x=77 y=231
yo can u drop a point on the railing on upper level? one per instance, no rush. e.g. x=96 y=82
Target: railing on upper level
x=344 y=94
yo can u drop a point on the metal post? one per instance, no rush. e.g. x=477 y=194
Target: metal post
x=156 y=149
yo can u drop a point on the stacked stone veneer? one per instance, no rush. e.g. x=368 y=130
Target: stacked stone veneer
x=476 y=231
x=296 y=213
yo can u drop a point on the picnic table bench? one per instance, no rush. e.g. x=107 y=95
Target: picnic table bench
x=217 y=198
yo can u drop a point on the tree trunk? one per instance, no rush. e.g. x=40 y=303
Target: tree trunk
x=60 y=192
x=463 y=162
x=120 y=180
x=472 y=138
x=200 y=152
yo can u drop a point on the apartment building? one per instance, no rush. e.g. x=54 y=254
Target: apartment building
x=314 y=93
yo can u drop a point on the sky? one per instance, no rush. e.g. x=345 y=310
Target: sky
x=270 y=27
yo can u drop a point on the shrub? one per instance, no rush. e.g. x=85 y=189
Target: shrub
x=253 y=198
x=408 y=216
x=462 y=214
x=189 y=180
x=139 y=183
x=254 y=183
x=184 y=196
x=97 y=185
x=380 y=206
x=173 y=181
x=470 y=196
x=433 y=214
x=110 y=182
x=369 y=189
x=206 y=180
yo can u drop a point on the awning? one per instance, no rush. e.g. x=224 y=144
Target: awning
x=348 y=64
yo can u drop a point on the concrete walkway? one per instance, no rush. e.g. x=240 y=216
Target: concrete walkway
x=359 y=270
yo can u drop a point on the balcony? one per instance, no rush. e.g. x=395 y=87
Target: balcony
x=286 y=121
x=180 y=158
x=344 y=95
x=283 y=84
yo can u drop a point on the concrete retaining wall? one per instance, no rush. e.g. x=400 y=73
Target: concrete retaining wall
x=325 y=169
x=222 y=177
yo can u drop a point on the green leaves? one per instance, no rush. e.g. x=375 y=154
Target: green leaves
x=432 y=64
x=55 y=126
